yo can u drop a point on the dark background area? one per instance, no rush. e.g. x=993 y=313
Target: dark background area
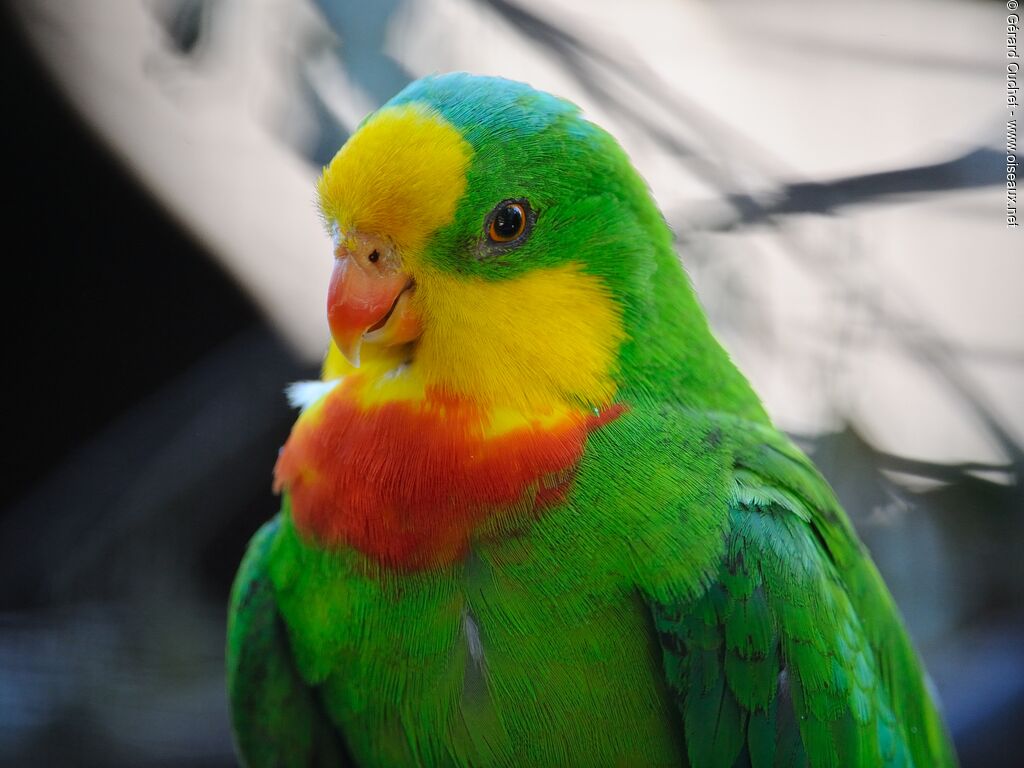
x=144 y=410
x=98 y=276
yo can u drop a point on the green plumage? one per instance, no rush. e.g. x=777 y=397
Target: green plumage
x=699 y=598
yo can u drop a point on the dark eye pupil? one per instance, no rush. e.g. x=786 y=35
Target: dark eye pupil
x=508 y=221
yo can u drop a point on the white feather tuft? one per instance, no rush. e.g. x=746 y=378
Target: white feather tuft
x=302 y=394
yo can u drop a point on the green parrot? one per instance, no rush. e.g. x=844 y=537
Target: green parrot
x=533 y=515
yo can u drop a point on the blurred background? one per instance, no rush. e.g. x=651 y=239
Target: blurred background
x=834 y=173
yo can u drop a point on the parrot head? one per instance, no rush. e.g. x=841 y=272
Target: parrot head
x=503 y=287
x=491 y=243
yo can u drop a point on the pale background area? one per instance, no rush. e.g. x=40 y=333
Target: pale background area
x=833 y=172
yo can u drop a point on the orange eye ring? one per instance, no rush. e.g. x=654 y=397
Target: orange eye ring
x=507 y=222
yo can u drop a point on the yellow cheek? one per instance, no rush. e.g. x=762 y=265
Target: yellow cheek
x=522 y=348
x=536 y=342
x=405 y=160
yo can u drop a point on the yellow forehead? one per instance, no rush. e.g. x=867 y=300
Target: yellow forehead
x=400 y=176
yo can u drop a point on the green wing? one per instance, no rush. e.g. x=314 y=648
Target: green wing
x=796 y=654
x=276 y=717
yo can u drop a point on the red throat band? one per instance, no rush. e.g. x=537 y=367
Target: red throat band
x=408 y=483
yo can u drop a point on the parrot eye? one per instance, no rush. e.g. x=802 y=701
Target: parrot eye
x=509 y=221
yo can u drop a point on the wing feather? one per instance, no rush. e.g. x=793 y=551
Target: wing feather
x=277 y=718
x=796 y=654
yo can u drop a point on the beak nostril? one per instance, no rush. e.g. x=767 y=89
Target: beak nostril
x=368 y=299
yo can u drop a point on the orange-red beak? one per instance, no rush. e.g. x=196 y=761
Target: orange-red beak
x=369 y=299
